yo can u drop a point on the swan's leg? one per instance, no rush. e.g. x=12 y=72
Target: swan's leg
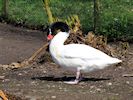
x=78 y=75
x=77 y=80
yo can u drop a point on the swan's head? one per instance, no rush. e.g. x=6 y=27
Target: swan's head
x=56 y=27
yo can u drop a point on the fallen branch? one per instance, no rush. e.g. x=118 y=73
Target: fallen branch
x=3 y=96
x=130 y=53
x=28 y=62
x=98 y=42
x=35 y=55
x=128 y=75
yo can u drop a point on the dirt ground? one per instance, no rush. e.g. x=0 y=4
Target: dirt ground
x=45 y=81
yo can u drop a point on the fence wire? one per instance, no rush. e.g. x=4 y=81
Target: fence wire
x=116 y=17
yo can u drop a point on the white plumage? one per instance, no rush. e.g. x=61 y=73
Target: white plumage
x=78 y=57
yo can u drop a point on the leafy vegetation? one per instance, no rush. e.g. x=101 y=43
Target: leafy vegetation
x=116 y=16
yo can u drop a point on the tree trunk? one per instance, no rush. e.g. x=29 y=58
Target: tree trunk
x=96 y=16
x=5 y=9
x=48 y=11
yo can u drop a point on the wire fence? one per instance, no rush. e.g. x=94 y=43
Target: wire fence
x=116 y=17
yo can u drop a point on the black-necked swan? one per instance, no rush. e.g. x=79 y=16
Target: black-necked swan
x=75 y=57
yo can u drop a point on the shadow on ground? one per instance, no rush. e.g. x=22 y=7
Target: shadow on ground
x=65 y=78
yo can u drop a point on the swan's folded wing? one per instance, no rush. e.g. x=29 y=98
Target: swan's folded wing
x=82 y=52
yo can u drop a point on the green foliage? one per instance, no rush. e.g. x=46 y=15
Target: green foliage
x=117 y=18
x=116 y=15
x=28 y=12
x=0 y=7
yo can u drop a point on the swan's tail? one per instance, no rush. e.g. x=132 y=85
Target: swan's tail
x=115 y=61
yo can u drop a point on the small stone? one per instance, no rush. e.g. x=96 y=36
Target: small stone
x=109 y=84
x=20 y=74
x=120 y=67
x=60 y=88
x=127 y=82
x=2 y=77
x=116 y=94
x=98 y=89
x=5 y=80
x=53 y=97
x=91 y=87
x=44 y=71
x=18 y=84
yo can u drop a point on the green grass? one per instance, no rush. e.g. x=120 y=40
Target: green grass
x=29 y=11
x=116 y=16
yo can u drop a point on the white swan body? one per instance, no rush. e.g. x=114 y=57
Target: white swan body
x=78 y=57
x=73 y=56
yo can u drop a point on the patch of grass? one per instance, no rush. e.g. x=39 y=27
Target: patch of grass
x=0 y=7
x=116 y=16
x=27 y=11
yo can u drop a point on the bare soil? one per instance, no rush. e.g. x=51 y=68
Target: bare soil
x=45 y=81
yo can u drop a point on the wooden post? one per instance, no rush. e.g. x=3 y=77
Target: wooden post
x=48 y=11
x=96 y=16
x=5 y=9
